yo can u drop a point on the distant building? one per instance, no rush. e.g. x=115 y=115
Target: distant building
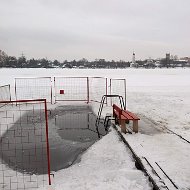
x=150 y=63
x=187 y=59
x=158 y=63
x=134 y=63
x=167 y=56
x=168 y=60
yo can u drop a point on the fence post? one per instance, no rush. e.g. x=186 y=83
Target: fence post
x=106 y=91
x=10 y=91
x=47 y=142
x=110 y=93
x=88 y=93
x=55 y=90
x=51 y=93
x=125 y=98
x=15 y=90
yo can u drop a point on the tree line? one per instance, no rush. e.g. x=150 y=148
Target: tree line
x=22 y=62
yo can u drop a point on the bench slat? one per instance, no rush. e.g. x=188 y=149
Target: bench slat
x=129 y=115
x=124 y=114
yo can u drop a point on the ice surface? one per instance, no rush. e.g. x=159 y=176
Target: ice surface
x=160 y=97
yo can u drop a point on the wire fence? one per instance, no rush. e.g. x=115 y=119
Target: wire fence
x=84 y=89
x=97 y=88
x=118 y=87
x=24 y=146
x=80 y=88
x=24 y=142
x=5 y=94
x=33 y=88
x=71 y=89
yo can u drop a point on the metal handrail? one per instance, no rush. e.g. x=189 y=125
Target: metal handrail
x=104 y=97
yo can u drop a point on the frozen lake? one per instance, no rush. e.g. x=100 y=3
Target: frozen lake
x=160 y=97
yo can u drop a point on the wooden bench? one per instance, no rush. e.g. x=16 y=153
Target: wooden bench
x=123 y=116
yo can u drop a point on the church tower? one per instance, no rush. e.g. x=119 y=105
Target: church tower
x=133 y=64
x=133 y=58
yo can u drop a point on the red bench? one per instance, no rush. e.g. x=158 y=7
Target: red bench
x=123 y=116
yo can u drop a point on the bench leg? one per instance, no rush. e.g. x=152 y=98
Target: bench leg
x=135 y=126
x=123 y=126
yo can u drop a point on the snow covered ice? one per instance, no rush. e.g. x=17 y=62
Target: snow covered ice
x=106 y=165
x=160 y=97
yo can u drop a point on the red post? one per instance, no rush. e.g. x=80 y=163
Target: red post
x=47 y=141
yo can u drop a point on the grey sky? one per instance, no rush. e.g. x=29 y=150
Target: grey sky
x=110 y=29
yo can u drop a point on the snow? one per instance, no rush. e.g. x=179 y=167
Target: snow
x=106 y=165
x=160 y=97
x=164 y=108
x=171 y=153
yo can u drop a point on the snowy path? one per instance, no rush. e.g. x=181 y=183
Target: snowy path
x=106 y=165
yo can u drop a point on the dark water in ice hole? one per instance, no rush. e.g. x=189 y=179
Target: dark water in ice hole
x=71 y=131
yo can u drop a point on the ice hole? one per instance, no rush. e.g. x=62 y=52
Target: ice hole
x=71 y=131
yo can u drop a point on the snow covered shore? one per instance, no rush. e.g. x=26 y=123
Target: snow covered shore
x=106 y=165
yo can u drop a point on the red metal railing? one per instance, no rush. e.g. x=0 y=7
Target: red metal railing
x=24 y=145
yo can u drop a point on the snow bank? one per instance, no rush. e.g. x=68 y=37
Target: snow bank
x=106 y=165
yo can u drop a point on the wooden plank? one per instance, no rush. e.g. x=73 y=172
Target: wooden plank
x=130 y=115
x=135 y=126
x=115 y=107
x=123 y=114
x=127 y=118
x=123 y=126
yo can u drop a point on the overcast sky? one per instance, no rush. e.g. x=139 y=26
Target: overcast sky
x=110 y=29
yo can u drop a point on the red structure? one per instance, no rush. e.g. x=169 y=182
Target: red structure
x=123 y=116
x=24 y=145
